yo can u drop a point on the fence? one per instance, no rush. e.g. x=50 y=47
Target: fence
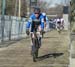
x=12 y=28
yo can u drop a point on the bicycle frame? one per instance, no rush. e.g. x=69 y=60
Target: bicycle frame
x=35 y=47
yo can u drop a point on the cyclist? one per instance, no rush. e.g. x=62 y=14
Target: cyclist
x=62 y=23
x=44 y=15
x=58 y=23
x=35 y=15
x=45 y=21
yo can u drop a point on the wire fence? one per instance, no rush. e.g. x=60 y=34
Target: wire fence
x=12 y=27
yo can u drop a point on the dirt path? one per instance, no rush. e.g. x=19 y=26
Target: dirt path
x=53 y=52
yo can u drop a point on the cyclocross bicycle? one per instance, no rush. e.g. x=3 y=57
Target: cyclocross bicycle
x=36 y=40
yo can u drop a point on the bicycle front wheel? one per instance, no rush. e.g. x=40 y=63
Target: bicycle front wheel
x=34 y=50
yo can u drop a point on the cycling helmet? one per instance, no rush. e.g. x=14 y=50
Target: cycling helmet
x=37 y=10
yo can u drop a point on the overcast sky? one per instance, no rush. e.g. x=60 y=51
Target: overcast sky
x=56 y=2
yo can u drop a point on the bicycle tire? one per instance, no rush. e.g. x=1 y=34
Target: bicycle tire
x=35 y=53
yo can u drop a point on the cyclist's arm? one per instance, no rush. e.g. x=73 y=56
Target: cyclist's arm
x=47 y=21
x=42 y=23
x=29 y=22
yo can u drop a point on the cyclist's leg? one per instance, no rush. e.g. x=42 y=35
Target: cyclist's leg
x=62 y=26
x=57 y=28
x=41 y=31
x=45 y=26
x=39 y=39
x=39 y=36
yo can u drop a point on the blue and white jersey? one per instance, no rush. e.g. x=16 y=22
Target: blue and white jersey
x=33 y=17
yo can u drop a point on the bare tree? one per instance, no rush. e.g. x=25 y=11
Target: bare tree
x=44 y=5
x=59 y=9
x=23 y=8
x=12 y=7
x=16 y=6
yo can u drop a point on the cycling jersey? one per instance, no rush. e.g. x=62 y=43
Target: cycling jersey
x=33 y=17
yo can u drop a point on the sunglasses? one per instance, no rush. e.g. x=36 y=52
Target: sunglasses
x=36 y=13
